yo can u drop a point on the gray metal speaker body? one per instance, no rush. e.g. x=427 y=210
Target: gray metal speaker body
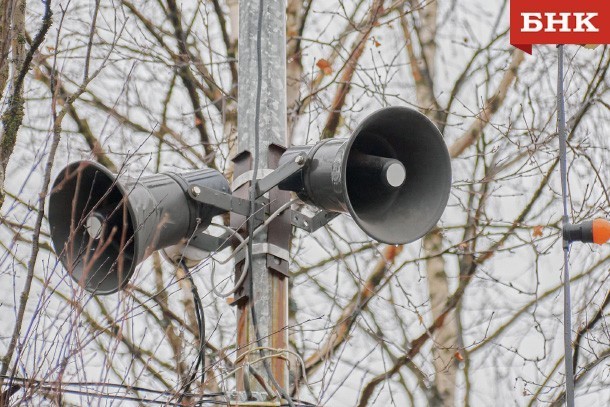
x=356 y=175
x=102 y=227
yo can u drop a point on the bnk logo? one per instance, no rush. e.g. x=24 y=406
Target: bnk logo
x=559 y=22
x=563 y=22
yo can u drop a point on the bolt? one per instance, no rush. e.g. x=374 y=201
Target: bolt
x=195 y=190
x=300 y=159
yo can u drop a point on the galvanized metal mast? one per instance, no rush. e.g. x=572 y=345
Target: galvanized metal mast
x=269 y=268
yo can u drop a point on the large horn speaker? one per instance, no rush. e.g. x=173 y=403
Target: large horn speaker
x=102 y=227
x=393 y=175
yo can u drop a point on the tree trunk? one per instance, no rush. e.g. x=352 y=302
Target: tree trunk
x=445 y=365
x=11 y=120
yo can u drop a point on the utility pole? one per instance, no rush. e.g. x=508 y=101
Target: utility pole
x=264 y=85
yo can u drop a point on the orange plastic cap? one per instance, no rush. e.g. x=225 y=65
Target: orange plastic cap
x=601 y=231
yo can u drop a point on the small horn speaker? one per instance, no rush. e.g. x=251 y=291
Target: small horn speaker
x=103 y=227
x=393 y=175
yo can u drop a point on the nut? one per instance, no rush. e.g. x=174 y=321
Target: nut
x=195 y=190
x=300 y=159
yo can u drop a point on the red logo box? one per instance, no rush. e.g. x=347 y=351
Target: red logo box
x=559 y=22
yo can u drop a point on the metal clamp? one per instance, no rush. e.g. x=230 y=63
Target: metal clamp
x=265 y=248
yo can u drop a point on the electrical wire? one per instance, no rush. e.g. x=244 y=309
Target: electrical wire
x=242 y=243
x=253 y=183
x=60 y=387
x=244 y=272
x=200 y=317
x=278 y=353
x=119 y=386
x=262 y=227
x=126 y=398
x=567 y=307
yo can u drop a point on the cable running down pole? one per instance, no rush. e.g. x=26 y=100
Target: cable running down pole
x=567 y=307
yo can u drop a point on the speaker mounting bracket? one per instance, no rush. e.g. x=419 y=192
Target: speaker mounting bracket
x=311 y=223
x=280 y=174
x=268 y=179
x=209 y=243
x=222 y=200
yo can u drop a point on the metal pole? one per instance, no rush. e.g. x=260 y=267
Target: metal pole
x=262 y=103
x=567 y=308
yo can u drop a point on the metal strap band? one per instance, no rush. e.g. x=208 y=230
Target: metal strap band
x=247 y=177
x=265 y=248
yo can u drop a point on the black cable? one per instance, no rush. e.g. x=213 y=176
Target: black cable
x=59 y=387
x=200 y=317
x=61 y=384
x=567 y=307
x=253 y=183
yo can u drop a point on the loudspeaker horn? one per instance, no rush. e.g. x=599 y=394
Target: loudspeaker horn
x=102 y=227
x=393 y=175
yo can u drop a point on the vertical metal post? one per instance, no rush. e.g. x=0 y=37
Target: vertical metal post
x=269 y=280
x=567 y=307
